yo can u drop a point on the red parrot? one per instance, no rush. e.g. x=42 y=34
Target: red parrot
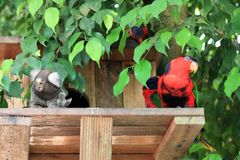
x=174 y=87
x=139 y=33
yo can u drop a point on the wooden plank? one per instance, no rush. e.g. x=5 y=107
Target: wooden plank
x=95 y=138
x=76 y=157
x=14 y=137
x=117 y=130
x=120 y=112
x=179 y=136
x=105 y=78
x=88 y=73
x=67 y=144
x=10 y=39
x=117 y=120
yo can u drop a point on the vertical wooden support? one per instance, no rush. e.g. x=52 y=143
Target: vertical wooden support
x=14 y=137
x=178 y=137
x=96 y=138
x=89 y=75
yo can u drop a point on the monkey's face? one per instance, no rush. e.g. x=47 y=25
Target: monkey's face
x=39 y=84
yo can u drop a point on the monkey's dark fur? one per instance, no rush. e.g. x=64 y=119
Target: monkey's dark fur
x=46 y=91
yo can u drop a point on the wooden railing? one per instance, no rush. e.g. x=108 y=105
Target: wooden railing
x=98 y=134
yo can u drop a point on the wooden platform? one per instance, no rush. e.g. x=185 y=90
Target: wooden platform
x=124 y=134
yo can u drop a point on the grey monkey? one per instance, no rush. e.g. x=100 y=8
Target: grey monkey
x=47 y=91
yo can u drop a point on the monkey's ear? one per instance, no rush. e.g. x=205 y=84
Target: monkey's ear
x=54 y=78
x=34 y=73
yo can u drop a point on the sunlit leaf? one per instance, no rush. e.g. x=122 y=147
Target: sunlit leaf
x=94 y=49
x=76 y=49
x=129 y=17
x=51 y=17
x=183 y=37
x=213 y=156
x=34 y=6
x=165 y=37
x=6 y=65
x=175 y=2
x=158 y=6
x=73 y=39
x=142 y=71
x=140 y=50
x=160 y=47
x=121 y=83
x=113 y=36
x=108 y=21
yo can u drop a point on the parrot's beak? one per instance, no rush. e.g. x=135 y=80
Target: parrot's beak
x=194 y=67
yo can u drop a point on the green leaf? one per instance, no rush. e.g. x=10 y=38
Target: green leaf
x=87 y=24
x=29 y=44
x=94 y=49
x=142 y=71
x=175 y=2
x=158 y=6
x=3 y=103
x=213 y=156
x=195 y=148
x=160 y=47
x=195 y=42
x=73 y=39
x=51 y=17
x=175 y=12
x=121 y=83
x=76 y=49
x=6 y=65
x=95 y=5
x=123 y=41
x=20 y=7
x=15 y=89
x=113 y=36
x=37 y=53
x=183 y=36
x=37 y=26
x=59 y=2
x=140 y=50
x=68 y=67
x=129 y=18
x=6 y=81
x=108 y=21
x=34 y=63
x=165 y=37
x=18 y=63
x=79 y=83
x=84 y=9
x=58 y=67
x=233 y=82
x=34 y=6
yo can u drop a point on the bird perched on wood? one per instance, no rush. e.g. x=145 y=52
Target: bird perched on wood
x=47 y=91
x=174 y=87
x=139 y=33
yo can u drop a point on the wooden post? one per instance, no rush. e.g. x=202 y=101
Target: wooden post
x=14 y=137
x=96 y=138
x=178 y=137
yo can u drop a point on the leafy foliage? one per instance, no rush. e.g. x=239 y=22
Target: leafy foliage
x=73 y=32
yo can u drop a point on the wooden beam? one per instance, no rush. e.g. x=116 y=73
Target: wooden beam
x=76 y=157
x=14 y=137
x=96 y=138
x=121 y=112
x=179 y=136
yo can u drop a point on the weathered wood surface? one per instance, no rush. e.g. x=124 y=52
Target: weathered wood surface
x=121 y=112
x=95 y=138
x=76 y=157
x=14 y=137
x=178 y=138
x=136 y=133
x=105 y=78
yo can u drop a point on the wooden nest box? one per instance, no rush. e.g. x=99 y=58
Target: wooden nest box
x=111 y=129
